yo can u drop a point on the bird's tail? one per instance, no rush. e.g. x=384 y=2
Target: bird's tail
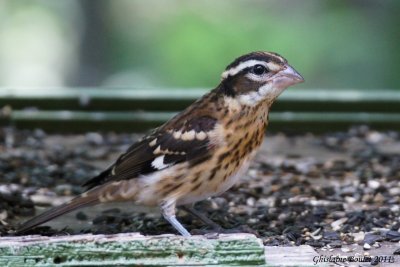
x=84 y=200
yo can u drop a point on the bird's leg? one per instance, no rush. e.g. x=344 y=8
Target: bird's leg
x=190 y=209
x=168 y=211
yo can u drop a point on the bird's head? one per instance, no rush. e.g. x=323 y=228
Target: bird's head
x=257 y=77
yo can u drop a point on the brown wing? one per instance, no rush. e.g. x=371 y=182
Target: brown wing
x=161 y=149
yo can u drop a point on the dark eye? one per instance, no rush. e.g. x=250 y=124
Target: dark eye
x=259 y=69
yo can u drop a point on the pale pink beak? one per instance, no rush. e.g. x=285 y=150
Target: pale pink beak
x=287 y=77
x=291 y=73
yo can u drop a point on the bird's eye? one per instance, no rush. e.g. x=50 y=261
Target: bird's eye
x=259 y=69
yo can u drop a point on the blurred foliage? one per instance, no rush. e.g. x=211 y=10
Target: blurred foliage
x=187 y=43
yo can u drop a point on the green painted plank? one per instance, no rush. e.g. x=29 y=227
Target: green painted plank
x=132 y=249
x=379 y=100
x=78 y=121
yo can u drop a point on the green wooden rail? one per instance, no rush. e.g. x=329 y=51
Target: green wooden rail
x=86 y=109
x=132 y=250
x=112 y=99
x=77 y=121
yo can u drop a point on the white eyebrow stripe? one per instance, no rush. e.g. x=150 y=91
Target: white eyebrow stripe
x=242 y=66
x=273 y=66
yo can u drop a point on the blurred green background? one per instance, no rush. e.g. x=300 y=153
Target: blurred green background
x=187 y=43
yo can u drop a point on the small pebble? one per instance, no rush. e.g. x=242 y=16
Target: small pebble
x=359 y=236
x=373 y=184
x=345 y=249
x=367 y=246
x=336 y=225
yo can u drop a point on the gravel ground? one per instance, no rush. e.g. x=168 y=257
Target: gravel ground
x=330 y=191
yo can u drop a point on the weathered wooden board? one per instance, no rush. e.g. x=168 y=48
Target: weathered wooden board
x=292 y=256
x=131 y=249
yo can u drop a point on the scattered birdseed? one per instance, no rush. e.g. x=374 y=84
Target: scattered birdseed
x=328 y=191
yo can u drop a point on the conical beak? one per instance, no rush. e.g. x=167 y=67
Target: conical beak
x=287 y=77
x=292 y=74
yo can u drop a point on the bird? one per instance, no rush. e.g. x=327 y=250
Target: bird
x=199 y=153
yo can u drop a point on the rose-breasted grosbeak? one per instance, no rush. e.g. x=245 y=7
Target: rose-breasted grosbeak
x=199 y=153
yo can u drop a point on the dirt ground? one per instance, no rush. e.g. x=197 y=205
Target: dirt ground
x=337 y=192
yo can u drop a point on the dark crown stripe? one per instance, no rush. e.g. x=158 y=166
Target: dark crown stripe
x=261 y=56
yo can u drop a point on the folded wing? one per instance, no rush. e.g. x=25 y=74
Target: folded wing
x=166 y=146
